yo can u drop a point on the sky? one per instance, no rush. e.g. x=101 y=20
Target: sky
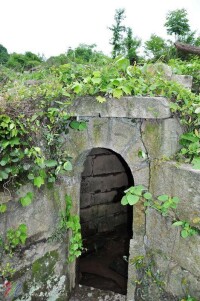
x=50 y=27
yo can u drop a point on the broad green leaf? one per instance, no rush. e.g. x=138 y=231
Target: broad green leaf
x=67 y=165
x=30 y=176
x=82 y=126
x=184 y=233
x=101 y=99
x=50 y=163
x=122 y=63
x=3 y=208
x=117 y=93
x=22 y=228
x=124 y=201
x=178 y=223
x=132 y=199
x=3 y=175
x=23 y=238
x=196 y=163
x=74 y=125
x=126 y=90
x=163 y=197
x=38 y=181
x=96 y=80
x=147 y=196
x=77 y=88
x=175 y=199
x=51 y=179
x=96 y=74
x=197 y=111
x=27 y=199
x=4 y=161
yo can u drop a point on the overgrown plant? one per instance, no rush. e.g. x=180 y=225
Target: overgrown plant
x=163 y=204
x=69 y=222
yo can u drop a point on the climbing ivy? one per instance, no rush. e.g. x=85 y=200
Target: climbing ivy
x=69 y=221
x=163 y=204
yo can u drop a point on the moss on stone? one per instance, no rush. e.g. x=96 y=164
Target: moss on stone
x=43 y=268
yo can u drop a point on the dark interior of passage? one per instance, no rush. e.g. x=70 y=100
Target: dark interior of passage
x=106 y=225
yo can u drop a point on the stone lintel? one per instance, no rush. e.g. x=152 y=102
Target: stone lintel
x=126 y=107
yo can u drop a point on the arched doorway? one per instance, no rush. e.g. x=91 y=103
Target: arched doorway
x=106 y=224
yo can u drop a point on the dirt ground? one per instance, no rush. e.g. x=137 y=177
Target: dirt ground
x=84 y=293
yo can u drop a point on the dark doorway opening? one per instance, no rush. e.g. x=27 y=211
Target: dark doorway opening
x=106 y=224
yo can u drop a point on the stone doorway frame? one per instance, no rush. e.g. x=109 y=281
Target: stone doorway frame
x=125 y=127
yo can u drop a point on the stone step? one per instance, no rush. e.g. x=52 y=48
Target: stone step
x=85 y=293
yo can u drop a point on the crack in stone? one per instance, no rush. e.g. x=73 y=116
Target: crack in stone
x=146 y=151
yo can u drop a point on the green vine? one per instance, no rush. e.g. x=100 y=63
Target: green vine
x=69 y=222
x=162 y=204
x=12 y=242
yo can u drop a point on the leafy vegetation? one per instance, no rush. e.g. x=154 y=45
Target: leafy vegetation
x=72 y=223
x=163 y=204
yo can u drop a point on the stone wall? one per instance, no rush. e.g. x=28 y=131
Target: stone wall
x=40 y=266
x=104 y=180
x=127 y=127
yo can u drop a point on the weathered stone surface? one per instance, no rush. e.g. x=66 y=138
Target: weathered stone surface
x=33 y=215
x=132 y=107
x=181 y=181
x=184 y=80
x=88 y=214
x=177 y=280
x=106 y=183
x=83 y=293
x=123 y=133
x=104 y=197
x=98 y=131
x=161 y=138
x=5 y=197
x=160 y=68
x=184 y=254
x=111 y=164
x=135 y=250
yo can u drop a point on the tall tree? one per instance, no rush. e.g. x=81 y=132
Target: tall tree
x=117 y=30
x=177 y=23
x=131 y=45
x=4 y=56
x=155 y=47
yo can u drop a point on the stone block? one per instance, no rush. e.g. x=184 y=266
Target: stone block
x=184 y=80
x=104 y=197
x=88 y=214
x=181 y=181
x=161 y=138
x=106 y=224
x=161 y=236
x=120 y=218
x=131 y=106
x=105 y=183
x=177 y=280
x=122 y=133
x=135 y=249
x=100 y=151
x=86 y=200
x=88 y=167
x=107 y=164
x=98 y=131
x=41 y=216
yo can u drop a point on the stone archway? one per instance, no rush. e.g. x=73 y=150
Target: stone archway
x=106 y=224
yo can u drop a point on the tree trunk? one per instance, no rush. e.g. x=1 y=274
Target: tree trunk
x=188 y=48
